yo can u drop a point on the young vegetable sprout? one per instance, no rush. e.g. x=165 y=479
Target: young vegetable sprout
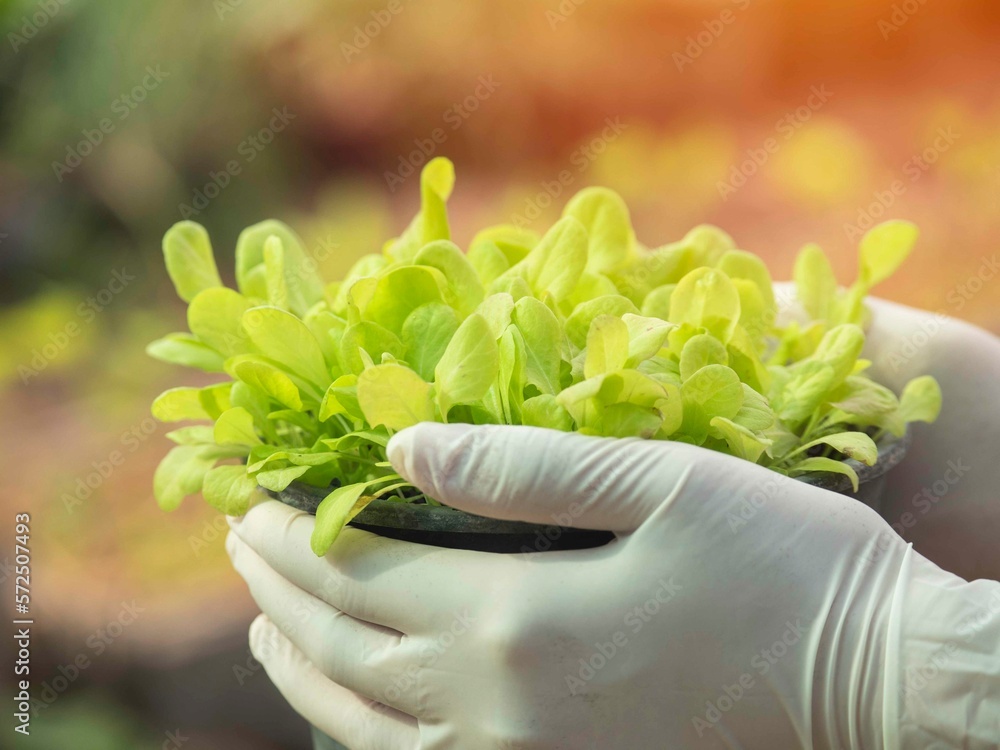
x=580 y=328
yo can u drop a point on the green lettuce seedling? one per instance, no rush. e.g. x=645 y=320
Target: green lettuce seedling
x=580 y=328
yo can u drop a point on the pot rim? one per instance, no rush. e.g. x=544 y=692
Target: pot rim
x=891 y=452
x=394 y=514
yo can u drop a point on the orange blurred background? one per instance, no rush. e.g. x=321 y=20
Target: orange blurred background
x=782 y=121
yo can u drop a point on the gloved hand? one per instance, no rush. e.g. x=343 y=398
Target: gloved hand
x=737 y=608
x=945 y=497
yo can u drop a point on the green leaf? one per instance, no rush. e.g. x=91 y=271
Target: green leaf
x=883 y=249
x=545 y=411
x=334 y=512
x=215 y=317
x=706 y=298
x=181 y=473
x=826 y=465
x=235 y=426
x=370 y=338
x=498 y=310
x=856 y=445
x=306 y=422
x=605 y=216
x=578 y=323
x=304 y=286
x=744 y=359
x=341 y=398
x=864 y=399
x=215 y=399
x=699 y=351
x=755 y=414
x=920 y=400
x=402 y=290
x=469 y=366
x=709 y=244
x=328 y=330
x=178 y=404
x=186 y=350
x=664 y=266
x=739 y=264
x=657 y=302
x=198 y=434
x=712 y=391
x=840 y=349
x=542 y=337
x=465 y=291
x=287 y=341
x=629 y=420
x=510 y=375
x=607 y=346
x=815 y=283
x=277 y=480
x=646 y=336
x=190 y=263
x=741 y=441
x=488 y=260
x=436 y=182
x=555 y=264
x=513 y=242
x=229 y=489
x=426 y=333
x=274 y=272
x=756 y=318
x=271 y=381
x=252 y=399
x=805 y=390
x=394 y=396
x=511 y=285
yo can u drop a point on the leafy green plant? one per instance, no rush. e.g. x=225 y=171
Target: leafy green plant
x=580 y=328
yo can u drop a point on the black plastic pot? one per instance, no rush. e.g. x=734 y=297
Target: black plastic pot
x=871 y=479
x=446 y=527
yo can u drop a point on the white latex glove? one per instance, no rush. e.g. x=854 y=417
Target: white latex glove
x=737 y=608
x=945 y=497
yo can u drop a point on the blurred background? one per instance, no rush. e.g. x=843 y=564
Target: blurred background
x=783 y=121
